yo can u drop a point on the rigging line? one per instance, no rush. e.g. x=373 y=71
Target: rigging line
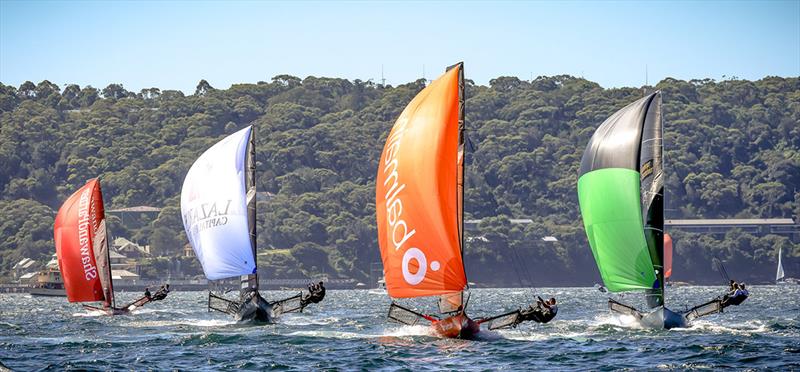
x=721 y=269
x=514 y=266
x=524 y=269
x=527 y=273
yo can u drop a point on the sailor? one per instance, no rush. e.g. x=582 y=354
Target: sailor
x=147 y=292
x=543 y=312
x=737 y=296
x=552 y=307
x=317 y=294
x=320 y=292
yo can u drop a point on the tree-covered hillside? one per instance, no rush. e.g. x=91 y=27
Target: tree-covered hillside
x=732 y=150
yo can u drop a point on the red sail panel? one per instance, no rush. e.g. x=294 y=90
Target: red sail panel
x=416 y=195
x=76 y=224
x=667 y=256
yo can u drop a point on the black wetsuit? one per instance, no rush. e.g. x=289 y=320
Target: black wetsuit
x=539 y=314
x=736 y=299
x=319 y=295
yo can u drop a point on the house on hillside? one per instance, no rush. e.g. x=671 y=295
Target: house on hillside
x=188 y=251
x=131 y=249
x=24 y=266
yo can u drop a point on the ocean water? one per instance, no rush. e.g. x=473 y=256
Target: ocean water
x=348 y=331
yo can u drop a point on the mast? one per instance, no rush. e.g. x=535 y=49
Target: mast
x=110 y=293
x=251 y=281
x=462 y=159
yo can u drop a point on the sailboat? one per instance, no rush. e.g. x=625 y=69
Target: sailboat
x=83 y=253
x=419 y=201
x=621 y=196
x=218 y=207
x=780 y=275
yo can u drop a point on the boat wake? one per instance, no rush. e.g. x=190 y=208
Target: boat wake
x=407 y=331
x=616 y=320
x=199 y=323
x=299 y=320
x=706 y=326
x=90 y=313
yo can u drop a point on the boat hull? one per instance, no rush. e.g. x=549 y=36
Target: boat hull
x=456 y=326
x=107 y=310
x=257 y=309
x=663 y=318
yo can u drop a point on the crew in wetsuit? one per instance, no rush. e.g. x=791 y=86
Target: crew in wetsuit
x=544 y=311
x=161 y=293
x=737 y=296
x=316 y=292
x=147 y=292
x=320 y=293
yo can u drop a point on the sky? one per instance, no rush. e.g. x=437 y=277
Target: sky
x=175 y=44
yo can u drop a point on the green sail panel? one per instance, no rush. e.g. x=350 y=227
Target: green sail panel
x=612 y=215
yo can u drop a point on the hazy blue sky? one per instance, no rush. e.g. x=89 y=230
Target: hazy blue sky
x=172 y=45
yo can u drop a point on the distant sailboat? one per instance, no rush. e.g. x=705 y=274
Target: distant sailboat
x=420 y=208
x=83 y=253
x=780 y=275
x=621 y=195
x=218 y=206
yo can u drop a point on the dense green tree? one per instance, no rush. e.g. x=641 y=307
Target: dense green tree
x=732 y=150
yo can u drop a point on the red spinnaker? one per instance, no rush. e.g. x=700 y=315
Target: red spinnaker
x=79 y=234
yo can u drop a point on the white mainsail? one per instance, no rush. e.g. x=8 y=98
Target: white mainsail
x=214 y=209
x=779 y=275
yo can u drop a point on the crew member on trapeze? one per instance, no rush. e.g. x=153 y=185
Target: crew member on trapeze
x=316 y=292
x=543 y=312
x=737 y=294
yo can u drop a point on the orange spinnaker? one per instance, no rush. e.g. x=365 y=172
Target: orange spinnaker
x=76 y=223
x=667 y=256
x=416 y=196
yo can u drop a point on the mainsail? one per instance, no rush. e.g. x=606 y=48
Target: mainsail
x=215 y=205
x=82 y=246
x=620 y=190
x=780 y=274
x=419 y=193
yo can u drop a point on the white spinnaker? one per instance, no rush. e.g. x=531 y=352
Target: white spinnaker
x=214 y=209
x=779 y=275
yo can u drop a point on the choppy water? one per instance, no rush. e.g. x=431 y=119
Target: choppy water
x=348 y=331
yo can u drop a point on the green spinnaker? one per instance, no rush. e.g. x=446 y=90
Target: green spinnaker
x=612 y=215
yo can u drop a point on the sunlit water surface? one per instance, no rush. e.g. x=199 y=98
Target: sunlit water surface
x=349 y=331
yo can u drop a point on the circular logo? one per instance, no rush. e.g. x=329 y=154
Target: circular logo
x=422 y=264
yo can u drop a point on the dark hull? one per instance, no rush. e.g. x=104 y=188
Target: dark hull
x=256 y=310
x=456 y=326
x=107 y=310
